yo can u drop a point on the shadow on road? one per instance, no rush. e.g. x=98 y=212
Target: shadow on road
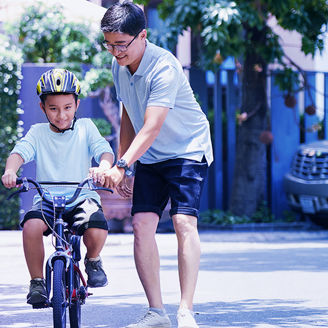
x=269 y=260
x=260 y=313
x=101 y=313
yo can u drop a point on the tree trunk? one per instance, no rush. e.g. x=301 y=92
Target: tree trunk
x=249 y=183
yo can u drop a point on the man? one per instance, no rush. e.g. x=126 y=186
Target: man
x=165 y=132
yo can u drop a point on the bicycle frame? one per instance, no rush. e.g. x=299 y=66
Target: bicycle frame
x=71 y=255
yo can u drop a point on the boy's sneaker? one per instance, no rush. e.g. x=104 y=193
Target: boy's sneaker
x=186 y=319
x=152 y=320
x=96 y=275
x=38 y=292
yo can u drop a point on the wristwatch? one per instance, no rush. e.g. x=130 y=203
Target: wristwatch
x=123 y=164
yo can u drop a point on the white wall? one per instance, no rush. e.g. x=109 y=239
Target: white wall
x=291 y=42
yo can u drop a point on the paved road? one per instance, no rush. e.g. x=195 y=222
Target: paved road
x=253 y=280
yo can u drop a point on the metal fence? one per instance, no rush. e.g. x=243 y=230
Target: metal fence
x=290 y=127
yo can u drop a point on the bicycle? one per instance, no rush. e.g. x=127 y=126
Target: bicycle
x=69 y=288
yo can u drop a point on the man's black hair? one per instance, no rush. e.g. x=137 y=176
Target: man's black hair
x=125 y=17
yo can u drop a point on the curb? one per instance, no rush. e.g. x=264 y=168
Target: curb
x=167 y=226
x=279 y=226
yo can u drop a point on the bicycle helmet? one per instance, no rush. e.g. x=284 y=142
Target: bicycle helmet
x=58 y=81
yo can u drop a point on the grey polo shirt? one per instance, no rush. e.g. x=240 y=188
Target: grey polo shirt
x=160 y=81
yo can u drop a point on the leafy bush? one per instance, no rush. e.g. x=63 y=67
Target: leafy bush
x=220 y=217
x=262 y=215
x=103 y=126
x=45 y=36
x=10 y=83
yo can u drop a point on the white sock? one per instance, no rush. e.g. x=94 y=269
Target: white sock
x=94 y=258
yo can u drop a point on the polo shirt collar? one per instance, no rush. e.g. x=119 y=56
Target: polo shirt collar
x=144 y=60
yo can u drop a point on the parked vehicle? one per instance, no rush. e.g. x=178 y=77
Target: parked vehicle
x=306 y=184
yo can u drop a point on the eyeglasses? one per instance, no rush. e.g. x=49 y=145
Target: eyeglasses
x=118 y=47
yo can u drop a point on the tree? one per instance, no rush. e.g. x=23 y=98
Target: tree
x=241 y=29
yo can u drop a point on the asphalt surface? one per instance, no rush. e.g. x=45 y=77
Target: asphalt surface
x=247 y=279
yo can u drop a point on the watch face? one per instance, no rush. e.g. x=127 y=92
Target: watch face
x=121 y=163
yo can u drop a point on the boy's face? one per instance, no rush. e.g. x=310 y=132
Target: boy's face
x=60 y=110
x=132 y=55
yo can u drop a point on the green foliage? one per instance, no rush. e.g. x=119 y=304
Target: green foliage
x=287 y=80
x=262 y=215
x=10 y=82
x=219 y=217
x=103 y=126
x=95 y=79
x=45 y=36
x=238 y=28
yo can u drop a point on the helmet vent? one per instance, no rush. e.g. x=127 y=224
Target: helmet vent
x=58 y=82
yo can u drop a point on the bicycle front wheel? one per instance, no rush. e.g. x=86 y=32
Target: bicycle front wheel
x=59 y=303
x=75 y=308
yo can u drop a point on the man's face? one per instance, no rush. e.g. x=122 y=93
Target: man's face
x=60 y=110
x=128 y=50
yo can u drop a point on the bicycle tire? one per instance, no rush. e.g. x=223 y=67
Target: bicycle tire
x=59 y=303
x=75 y=308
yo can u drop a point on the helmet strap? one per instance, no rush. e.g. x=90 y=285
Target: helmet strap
x=62 y=130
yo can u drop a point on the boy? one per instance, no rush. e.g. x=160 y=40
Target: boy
x=62 y=150
x=164 y=130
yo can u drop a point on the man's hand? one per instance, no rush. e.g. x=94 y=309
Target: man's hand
x=9 y=178
x=125 y=187
x=113 y=177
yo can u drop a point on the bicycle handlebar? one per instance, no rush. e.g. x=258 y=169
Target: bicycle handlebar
x=25 y=187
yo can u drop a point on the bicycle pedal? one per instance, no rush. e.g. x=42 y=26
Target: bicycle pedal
x=40 y=305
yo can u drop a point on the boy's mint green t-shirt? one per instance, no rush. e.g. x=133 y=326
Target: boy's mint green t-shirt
x=160 y=81
x=63 y=156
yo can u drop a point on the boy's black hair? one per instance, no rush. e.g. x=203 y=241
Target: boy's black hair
x=125 y=17
x=44 y=96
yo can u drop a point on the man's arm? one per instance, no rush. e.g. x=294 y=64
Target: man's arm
x=127 y=133
x=153 y=121
x=14 y=162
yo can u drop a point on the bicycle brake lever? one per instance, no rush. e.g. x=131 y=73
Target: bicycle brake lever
x=93 y=186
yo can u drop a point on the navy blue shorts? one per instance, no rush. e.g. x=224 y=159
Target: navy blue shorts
x=84 y=215
x=180 y=180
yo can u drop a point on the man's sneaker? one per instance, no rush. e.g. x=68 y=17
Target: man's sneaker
x=152 y=320
x=38 y=292
x=96 y=275
x=186 y=319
